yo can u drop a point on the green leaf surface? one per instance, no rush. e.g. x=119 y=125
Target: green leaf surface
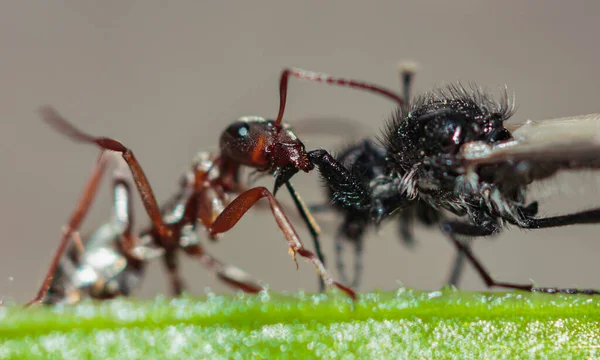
x=402 y=324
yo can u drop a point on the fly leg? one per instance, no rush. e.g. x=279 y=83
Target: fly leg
x=454 y=229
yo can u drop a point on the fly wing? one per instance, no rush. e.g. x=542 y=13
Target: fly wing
x=571 y=139
x=540 y=148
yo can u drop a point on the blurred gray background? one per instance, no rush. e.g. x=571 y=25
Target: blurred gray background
x=166 y=77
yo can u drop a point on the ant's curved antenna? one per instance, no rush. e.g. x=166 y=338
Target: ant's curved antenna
x=328 y=79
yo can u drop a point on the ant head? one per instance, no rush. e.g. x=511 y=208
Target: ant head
x=261 y=144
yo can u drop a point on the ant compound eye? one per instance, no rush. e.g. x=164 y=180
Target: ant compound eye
x=239 y=129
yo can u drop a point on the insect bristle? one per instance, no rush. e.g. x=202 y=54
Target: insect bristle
x=471 y=97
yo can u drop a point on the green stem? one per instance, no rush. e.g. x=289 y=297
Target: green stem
x=402 y=324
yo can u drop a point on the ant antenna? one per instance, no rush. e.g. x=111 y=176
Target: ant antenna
x=328 y=79
x=406 y=72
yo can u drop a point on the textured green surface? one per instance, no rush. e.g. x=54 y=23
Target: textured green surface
x=402 y=324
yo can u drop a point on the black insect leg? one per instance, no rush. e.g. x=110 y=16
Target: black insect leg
x=452 y=229
x=583 y=217
x=405 y=227
x=351 y=231
x=458 y=265
x=311 y=224
x=407 y=73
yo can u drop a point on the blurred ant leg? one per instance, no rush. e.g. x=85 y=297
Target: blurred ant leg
x=77 y=241
x=81 y=210
x=175 y=279
x=311 y=224
x=452 y=229
x=194 y=185
x=231 y=275
x=141 y=181
x=328 y=79
x=238 y=207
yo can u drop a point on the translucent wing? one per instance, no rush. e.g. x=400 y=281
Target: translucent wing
x=540 y=148
x=574 y=140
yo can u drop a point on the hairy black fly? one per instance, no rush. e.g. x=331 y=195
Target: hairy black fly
x=448 y=152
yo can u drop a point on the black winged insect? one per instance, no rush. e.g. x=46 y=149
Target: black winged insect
x=447 y=158
x=368 y=157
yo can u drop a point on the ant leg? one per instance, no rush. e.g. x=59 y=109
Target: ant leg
x=141 y=181
x=81 y=210
x=311 y=224
x=328 y=79
x=452 y=229
x=240 y=205
x=170 y=261
x=231 y=275
x=188 y=240
x=123 y=206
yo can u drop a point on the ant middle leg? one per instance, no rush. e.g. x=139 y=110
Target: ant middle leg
x=231 y=275
x=455 y=229
x=240 y=205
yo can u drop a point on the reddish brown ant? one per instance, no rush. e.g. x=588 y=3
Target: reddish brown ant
x=266 y=146
x=113 y=259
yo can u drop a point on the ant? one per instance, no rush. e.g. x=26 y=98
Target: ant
x=449 y=151
x=214 y=195
x=112 y=261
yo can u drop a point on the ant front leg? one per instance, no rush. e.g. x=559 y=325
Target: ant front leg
x=81 y=210
x=240 y=205
x=311 y=224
